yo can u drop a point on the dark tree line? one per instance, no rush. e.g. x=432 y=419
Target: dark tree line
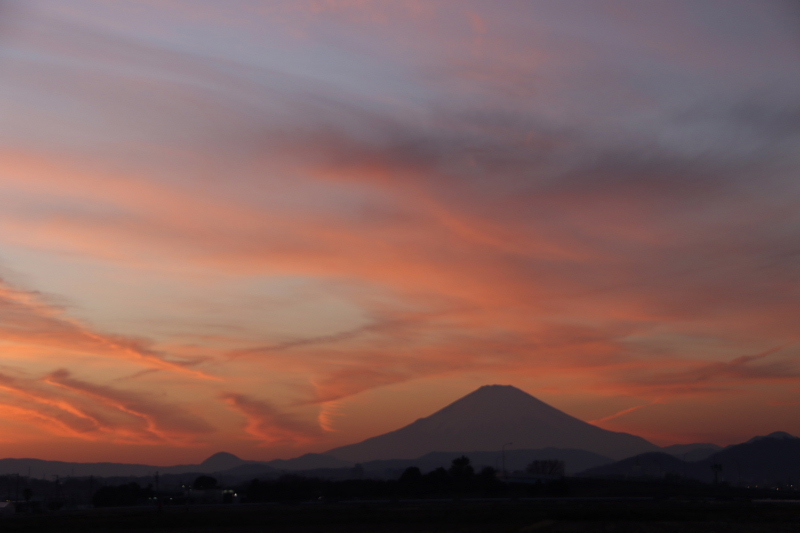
x=124 y=495
x=460 y=480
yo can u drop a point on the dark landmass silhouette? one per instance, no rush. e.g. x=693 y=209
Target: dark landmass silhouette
x=38 y=468
x=222 y=461
x=692 y=452
x=309 y=461
x=487 y=419
x=495 y=426
x=770 y=460
x=575 y=460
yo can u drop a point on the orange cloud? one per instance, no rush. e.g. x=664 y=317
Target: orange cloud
x=475 y=194
x=26 y=320
x=64 y=406
x=269 y=425
x=704 y=376
x=163 y=422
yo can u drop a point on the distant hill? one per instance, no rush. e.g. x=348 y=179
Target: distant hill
x=692 y=452
x=309 y=461
x=488 y=418
x=39 y=468
x=779 y=435
x=222 y=461
x=219 y=463
x=655 y=465
x=768 y=460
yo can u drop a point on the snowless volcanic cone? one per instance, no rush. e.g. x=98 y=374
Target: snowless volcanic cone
x=485 y=420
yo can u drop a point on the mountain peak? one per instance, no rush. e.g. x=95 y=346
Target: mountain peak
x=491 y=418
x=222 y=461
x=497 y=388
x=778 y=435
x=498 y=391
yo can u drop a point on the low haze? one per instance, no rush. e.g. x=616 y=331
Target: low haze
x=278 y=227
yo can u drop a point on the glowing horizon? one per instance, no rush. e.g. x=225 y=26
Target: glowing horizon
x=272 y=228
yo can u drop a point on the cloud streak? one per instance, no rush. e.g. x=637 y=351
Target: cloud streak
x=269 y=425
x=64 y=406
x=163 y=422
x=28 y=321
x=602 y=199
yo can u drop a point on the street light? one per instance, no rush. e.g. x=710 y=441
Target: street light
x=503 y=449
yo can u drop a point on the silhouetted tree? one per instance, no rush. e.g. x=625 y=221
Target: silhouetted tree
x=439 y=474
x=411 y=475
x=410 y=482
x=487 y=475
x=127 y=494
x=437 y=481
x=548 y=467
x=461 y=470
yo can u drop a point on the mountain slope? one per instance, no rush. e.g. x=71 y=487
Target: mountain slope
x=767 y=460
x=692 y=452
x=488 y=418
x=653 y=465
x=770 y=460
x=308 y=461
x=222 y=461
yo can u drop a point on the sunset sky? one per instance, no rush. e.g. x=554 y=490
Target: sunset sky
x=279 y=226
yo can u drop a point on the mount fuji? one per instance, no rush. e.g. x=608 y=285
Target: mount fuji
x=489 y=419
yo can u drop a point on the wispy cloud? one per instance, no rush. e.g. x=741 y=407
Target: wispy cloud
x=622 y=413
x=65 y=406
x=28 y=321
x=270 y=425
x=162 y=421
x=605 y=197
x=744 y=369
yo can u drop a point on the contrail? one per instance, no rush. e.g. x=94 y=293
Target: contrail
x=623 y=412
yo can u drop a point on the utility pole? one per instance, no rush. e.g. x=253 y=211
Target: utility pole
x=158 y=499
x=503 y=449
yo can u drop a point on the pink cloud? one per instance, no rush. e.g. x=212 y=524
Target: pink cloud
x=271 y=426
x=517 y=191
x=28 y=321
x=64 y=406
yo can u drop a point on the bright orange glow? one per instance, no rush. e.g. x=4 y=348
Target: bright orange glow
x=275 y=228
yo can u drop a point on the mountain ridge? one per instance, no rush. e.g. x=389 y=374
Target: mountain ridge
x=494 y=417
x=763 y=460
x=492 y=423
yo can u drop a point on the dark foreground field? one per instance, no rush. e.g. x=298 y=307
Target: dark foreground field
x=552 y=515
